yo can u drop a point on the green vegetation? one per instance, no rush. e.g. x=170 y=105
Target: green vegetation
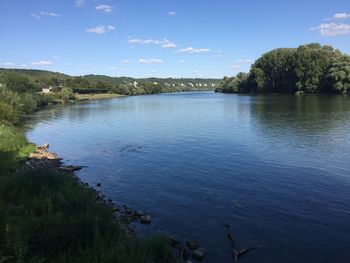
x=96 y=96
x=307 y=69
x=30 y=80
x=47 y=216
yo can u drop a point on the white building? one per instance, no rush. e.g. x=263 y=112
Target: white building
x=46 y=89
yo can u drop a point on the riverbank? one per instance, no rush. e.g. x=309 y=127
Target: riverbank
x=100 y=96
x=48 y=215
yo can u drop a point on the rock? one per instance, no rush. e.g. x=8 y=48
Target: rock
x=98 y=184
x=299 y=92
x=128 y=211
x=139 y=213
x=174 y=242
x=185 y=252
x=45 y=146
x=70 y=168
x=192 y=244
x=199 y=254
x=145 y=219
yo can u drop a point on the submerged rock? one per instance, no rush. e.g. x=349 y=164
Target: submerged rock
x=185 y=252
x=139 y=213
x=70 y=168
x=145 y=219
x=174 y=242
x=199 y=254
x=192 y=244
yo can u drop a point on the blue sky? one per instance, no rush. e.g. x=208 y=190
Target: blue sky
x=162 y=38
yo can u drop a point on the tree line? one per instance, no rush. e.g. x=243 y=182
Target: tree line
x=21 y=90
x=309 y=68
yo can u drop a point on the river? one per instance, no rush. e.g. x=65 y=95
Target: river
x=276 y=168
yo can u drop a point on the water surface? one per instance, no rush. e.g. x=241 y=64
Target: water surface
x=276 y=168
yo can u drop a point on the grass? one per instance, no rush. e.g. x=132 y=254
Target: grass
x=96 y=96
x=47 y=216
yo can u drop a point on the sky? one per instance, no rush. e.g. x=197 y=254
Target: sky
x=162 y=38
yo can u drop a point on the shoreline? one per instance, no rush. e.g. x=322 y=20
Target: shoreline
x=43 y=159
x=97 y=96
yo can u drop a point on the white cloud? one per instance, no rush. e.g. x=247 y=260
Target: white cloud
x=50 y=14
x=42 y=63
x=8 y=64
x=104 y=8
x=332 y=29
x=45 y=14
x=194 y=50
x=182 y=61
x=150 y=61
x=168 y=44
x=79 y=3
x=165 y=43
x=126 y=61
x=101 y=29
x=172 y=13
x=35 y=16
x=144 y=41
x=97 y=30
x=341 y=16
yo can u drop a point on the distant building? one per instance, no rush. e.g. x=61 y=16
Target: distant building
x=46 y=89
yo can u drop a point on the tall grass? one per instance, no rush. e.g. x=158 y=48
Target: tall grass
x=47 y=216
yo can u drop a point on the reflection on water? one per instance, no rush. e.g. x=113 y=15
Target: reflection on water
x=274 y=167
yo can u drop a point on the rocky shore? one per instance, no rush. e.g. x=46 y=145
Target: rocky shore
x=42 y=158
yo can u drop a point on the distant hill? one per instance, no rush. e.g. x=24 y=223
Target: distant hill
x=33 y=74
x=190 y=83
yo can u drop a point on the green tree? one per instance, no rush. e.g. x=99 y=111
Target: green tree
x=339 y=76
x=18 y=83
x=66 y=94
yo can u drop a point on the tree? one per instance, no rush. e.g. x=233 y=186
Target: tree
x=123 y=89
x=66 y=94
x=339 y=76
x=18 y=83
x=103 y=86
x=309 y=68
